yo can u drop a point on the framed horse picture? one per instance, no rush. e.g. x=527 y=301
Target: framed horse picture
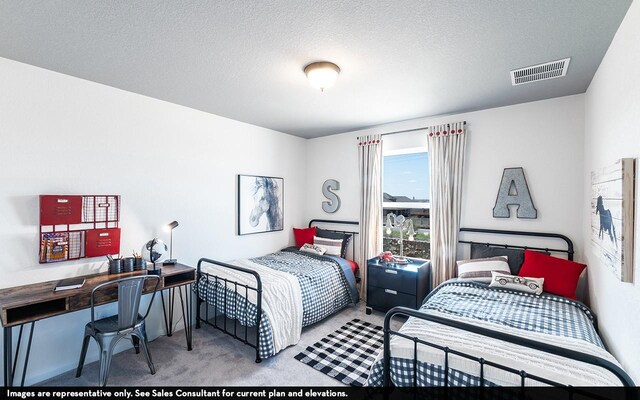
x=260 y=204
x=612 y=217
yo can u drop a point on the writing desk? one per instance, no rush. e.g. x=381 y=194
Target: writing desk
x=27 y=304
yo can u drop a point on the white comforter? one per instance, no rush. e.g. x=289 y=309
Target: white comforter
x=555 y=368
x=281 y=298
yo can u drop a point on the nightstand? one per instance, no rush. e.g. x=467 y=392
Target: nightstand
x=390 y=285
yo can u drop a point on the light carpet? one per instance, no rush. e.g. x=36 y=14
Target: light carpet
x=217 y=359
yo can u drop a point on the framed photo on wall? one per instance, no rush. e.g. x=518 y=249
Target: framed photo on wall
x=612 y=217
x=260 y=204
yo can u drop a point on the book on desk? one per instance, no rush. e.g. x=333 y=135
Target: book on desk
x=70 y=283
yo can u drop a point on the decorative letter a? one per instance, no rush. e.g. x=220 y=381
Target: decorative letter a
x=514 y=191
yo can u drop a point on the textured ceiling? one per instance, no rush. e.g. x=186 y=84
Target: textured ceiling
x=243 y=59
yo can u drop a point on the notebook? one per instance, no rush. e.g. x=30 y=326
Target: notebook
x=71 y=283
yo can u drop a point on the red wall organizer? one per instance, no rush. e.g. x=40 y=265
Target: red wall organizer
x=79 y=226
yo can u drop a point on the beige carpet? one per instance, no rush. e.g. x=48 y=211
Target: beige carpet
x=218 y=359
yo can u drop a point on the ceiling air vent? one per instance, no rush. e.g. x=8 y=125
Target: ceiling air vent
x=540 y=72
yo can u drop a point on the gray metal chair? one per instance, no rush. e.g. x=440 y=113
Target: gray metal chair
x=107 y=332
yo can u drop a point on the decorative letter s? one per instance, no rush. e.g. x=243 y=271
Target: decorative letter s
x=328 y=187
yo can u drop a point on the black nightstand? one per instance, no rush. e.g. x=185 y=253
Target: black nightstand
x=390 y=285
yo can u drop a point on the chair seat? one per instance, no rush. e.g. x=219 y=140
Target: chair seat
x=110 y=324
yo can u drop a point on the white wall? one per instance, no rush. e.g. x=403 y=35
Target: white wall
x=63 y=135
x=544 y=137
x=612 y=121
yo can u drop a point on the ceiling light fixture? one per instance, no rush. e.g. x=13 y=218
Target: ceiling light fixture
x=322 y=75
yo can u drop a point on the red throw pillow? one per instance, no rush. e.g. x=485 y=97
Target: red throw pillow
x=354 y=266
x=304 y=235
x=560 y=275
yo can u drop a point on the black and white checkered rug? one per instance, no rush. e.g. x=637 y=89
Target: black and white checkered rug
x=347 y=354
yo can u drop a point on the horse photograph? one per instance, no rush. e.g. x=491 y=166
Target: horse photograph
x=612 y=217
x=260 y=204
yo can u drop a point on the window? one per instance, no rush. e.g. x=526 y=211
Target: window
x=405 y=187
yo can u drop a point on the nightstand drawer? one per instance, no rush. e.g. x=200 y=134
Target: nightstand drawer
x=392 y=278
x=384 y=299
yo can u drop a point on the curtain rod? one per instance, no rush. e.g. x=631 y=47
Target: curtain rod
x=413 y=130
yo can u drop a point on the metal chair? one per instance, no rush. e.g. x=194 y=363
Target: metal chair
x=107 y=332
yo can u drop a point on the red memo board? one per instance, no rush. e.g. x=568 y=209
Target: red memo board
x=78 y=226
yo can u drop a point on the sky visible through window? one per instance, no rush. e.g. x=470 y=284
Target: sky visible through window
x=407 y=175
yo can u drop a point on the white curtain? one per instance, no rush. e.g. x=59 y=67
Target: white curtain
x=370 y=167
x=446 y=164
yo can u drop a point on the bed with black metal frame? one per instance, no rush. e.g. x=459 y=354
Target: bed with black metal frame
x=482 y=363
x=246 y=316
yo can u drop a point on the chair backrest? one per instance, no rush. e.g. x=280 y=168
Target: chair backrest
x=129 y=294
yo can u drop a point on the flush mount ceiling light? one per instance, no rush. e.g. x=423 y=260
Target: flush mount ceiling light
x=322 y=75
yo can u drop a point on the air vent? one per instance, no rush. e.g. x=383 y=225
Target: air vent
x=540 y=72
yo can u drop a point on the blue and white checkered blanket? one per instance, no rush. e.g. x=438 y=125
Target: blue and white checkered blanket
x=551 y=319
x=324 y=285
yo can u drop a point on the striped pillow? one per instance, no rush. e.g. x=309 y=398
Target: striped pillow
x=345 y=237
x=479 y=269
x=333 y=246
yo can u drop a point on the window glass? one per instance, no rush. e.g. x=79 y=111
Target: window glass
x=406 y=192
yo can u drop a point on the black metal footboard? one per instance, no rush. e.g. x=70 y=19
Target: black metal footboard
x=482 y=363
x=220 y=320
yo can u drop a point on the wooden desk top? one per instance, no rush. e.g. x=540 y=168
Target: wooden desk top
x=27 y=303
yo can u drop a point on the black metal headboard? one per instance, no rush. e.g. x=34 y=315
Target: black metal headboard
x=315 y=222
x=569 y=250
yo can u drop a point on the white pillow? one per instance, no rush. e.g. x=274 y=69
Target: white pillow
x=312 y=248
x=479 y=269
x=333 y=246
x=520 y=283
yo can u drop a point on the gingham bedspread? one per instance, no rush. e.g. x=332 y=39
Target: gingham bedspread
x=532 y=316
x=323 y=284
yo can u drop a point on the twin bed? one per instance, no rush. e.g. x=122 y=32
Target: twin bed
x=266 y=301
x=468 y=333
x=465 y=334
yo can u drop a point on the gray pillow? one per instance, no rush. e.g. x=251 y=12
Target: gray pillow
x=515 y=256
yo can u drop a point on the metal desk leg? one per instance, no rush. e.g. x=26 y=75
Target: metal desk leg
x=187 y=311
x=26 y=358
x=8 y=359
x=168 y=320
